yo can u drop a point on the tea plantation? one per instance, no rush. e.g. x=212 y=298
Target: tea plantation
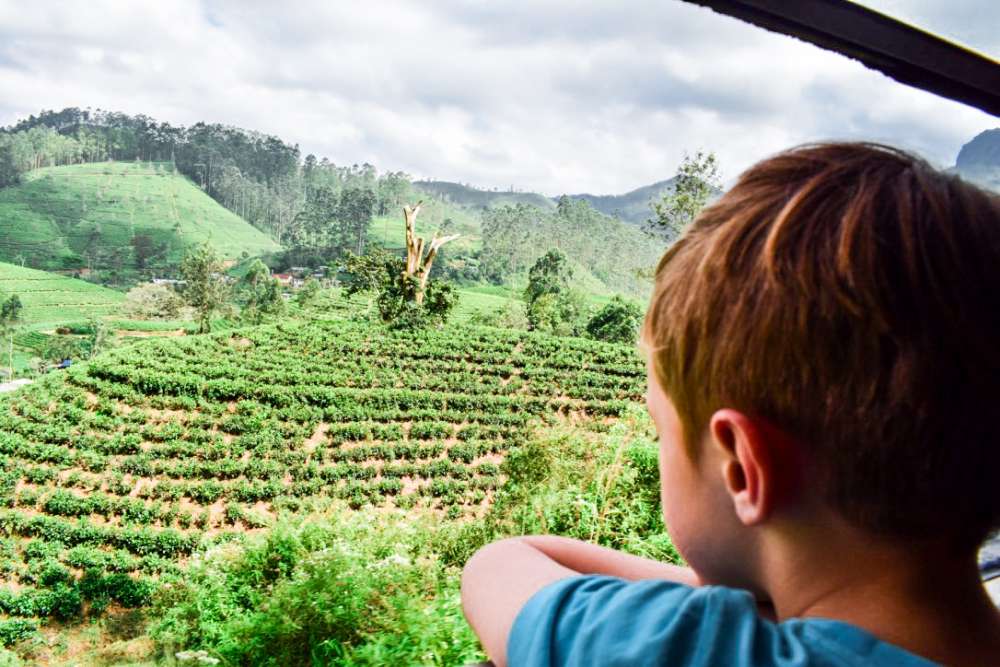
x=116 y=472
x=50 y=299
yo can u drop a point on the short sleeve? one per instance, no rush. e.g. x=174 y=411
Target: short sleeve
x=599 y=620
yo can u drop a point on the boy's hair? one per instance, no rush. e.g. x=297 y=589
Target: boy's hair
x=849 y=294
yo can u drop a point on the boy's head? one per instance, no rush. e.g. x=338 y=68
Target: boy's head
x=846 y=298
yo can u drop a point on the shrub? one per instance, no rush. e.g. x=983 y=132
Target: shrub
x=616 y=322
x=151 y=302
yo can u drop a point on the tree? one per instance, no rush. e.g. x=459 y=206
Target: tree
x=61 y=347
x=150 y=301
x=260 y=293
x=371 y=273
x=100 y=338
x=10 y=318
x=550 y=274
x=617 y=322
x=697 y=180
x=383 y=275
x=399 y=308
x=308 y=293
x=559 y=314
x=552 y=304
x=354 y=215
x=146 y=249
x=418 y=265
x=205 y=287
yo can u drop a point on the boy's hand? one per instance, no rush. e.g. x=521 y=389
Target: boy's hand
x=501 y=577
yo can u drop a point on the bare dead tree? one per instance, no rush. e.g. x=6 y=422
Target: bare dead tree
x=418 y=266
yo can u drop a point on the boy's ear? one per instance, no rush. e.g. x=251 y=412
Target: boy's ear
x=755 y=469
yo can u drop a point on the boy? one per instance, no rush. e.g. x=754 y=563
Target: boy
x=823 y=349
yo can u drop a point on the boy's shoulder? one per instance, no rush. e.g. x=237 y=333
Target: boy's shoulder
x=591 y=620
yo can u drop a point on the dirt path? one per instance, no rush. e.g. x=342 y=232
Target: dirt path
x=14 y=385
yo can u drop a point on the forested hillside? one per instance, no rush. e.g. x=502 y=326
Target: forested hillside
x=633 y=206
x=616 y=253
x=69 y=199
x=472 y=197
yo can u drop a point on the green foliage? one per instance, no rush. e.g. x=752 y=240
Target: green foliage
x=308 y=293
x=320 y=593
x=14 y=630
x=515 y=237
x=52 y=299
x=398 y=306
x=382 y=275
x=260 y=294
x=616 y=322
x=550 y=274
x=57 y=348
x=371 y=272
x=560 y=314
x=112 y=468
x=335 y=220
x=77 y=216
x=10 y=318
x=205 y=288
x=10 y=311
x=697 y=180
x=553 y=305
x=511 y=315
x=149 y=301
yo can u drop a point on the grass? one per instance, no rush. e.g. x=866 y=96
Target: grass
x=61 y=217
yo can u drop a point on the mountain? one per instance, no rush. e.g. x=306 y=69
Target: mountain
x=48 y=298
x=470 y=197
x=979 y=160
x=633 y=206
x=96 y=214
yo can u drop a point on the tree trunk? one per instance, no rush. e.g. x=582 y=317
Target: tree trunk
x=418 y=266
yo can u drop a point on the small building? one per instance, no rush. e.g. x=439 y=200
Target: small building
x=283 y=278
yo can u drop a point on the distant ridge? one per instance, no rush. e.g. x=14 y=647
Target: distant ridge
x=632 y=206
x=979 y=159
x=472 y=197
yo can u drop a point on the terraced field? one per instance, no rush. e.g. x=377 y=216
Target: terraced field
x=61 y=217
x=49 y=298
x=115 y=472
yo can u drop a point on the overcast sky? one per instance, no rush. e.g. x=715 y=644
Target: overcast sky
x=567 y=96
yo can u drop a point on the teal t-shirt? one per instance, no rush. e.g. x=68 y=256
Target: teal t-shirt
x=594 y=620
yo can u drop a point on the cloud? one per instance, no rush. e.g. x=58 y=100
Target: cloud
x=558 y=96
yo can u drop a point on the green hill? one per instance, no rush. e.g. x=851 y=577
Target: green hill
x=72 y=216
x=52 y=299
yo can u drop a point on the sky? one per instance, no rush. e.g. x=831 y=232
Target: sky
x=560 y=96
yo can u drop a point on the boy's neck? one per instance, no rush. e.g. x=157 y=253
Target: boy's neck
x=919 y=597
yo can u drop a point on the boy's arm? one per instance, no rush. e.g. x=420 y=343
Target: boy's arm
x=501 y=577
